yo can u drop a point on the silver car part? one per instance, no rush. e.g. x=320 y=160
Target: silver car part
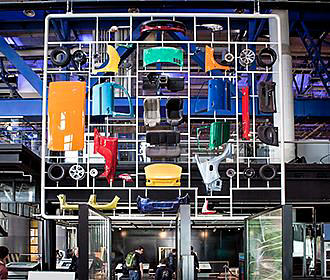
x=246 y=57
x=77 y=172
x=93 y=172
x=209 y=169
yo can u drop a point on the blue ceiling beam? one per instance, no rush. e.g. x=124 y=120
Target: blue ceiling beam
x=21 y=65
x=314 y=53
x=18 y=16
x=259 y=29
x=33 y=107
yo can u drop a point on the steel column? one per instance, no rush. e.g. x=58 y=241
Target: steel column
x=21 y=65
x=49 y=245
x=186 y=260
x=286 y=91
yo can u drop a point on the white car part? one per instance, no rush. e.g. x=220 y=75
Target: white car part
x=209 y=169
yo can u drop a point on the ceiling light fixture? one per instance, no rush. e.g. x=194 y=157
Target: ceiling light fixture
x=162 y=233
x=29 y=13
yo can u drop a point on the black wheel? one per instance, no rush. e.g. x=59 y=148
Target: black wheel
x=56 y=172
x=60 y=56
x=79 y=57
x=267 y=172
x=266 y=57
x=249 y=172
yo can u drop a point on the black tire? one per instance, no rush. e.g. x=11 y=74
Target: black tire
x=79 y=57
x=60 y=56
x=265 y=168
x=271 y=53
x=56 y=172
x=249 y=172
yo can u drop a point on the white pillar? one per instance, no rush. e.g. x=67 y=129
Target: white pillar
x=286 y=90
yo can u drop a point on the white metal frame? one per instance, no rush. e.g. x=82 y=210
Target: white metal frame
x=231 y=45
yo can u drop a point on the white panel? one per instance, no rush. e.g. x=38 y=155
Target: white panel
x=51 y=275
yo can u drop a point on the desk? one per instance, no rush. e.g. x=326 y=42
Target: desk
x=20 y=270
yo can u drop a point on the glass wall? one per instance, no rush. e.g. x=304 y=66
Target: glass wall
x=264 y=236
x=99 y=236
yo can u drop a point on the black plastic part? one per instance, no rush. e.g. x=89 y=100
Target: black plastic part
x=162 y=152
x=56 y=172
x=266 y=94
x=79 y=57
x=155 y=81
x=174 y=110
x=164 y=137
x=268 y=135
x=266 y=53
x=60 y=56
x=249 y=172
x=267 y=168
x=175 y=84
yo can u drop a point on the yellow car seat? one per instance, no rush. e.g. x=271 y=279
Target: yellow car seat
x=108 y=206
x=163 y=174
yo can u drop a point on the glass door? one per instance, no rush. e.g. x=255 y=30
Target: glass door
x=269 y=244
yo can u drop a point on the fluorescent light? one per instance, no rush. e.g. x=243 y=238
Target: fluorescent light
x=9 y=40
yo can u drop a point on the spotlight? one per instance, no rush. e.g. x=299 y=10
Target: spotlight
x=29 y=13
x=133 y=10
x=239 y=11
x=123 y=233
x=162 y=233
x=119 y=228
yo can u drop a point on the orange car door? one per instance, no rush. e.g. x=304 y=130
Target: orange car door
x=66 y=116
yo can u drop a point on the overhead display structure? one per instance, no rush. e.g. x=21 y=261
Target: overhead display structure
x=146 y=104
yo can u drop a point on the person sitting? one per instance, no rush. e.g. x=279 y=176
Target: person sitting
x=163 y=272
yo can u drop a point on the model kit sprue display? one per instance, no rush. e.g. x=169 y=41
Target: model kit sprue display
x=129 y=97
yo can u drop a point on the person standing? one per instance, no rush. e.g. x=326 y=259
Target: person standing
x=172 y=260
x=3 y=257
x=196 y=263
x=134 y=264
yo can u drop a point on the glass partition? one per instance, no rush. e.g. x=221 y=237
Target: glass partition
x=94 y=235
x=267 y=235
x=99 y=242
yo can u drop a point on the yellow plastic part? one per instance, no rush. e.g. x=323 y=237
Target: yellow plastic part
x=91 y=202
x=64 y=205
x=113 y=61
x=109 y=206
x=163 y=174
x=210 y=63
x=66 y=116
